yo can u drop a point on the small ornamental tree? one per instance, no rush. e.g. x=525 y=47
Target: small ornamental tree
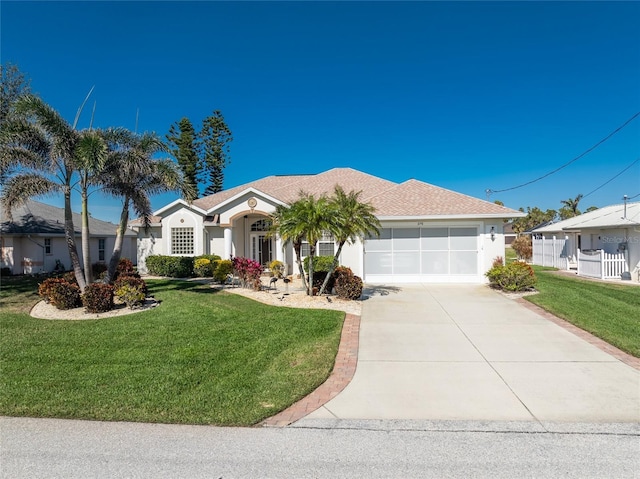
x=523 y=248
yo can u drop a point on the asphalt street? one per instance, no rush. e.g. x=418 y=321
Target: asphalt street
x=53 y=448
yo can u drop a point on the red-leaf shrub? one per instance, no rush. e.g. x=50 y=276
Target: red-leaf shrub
x=98 y=298
x=523 y=248
x=249 y=272
x=349 y=286
x=45 y=289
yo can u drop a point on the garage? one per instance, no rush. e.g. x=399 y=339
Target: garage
x=438 y=253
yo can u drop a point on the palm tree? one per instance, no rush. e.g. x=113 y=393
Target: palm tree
x=352 y=219
x=570 y=208
x=42 y=145
x=284 y=224
x=314 y=219
x=133 y=174
x=91 y=154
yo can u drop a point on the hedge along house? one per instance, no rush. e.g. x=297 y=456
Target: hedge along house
x=34 y=239
x=429 y=234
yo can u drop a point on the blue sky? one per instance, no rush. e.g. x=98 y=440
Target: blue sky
x=468 y=96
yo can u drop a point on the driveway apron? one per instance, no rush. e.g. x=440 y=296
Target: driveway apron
x=466 y=352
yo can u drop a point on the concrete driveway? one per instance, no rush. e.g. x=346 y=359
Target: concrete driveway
x=465 y=352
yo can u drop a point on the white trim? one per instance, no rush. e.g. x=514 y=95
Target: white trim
x=182 y=202
x=264 y=196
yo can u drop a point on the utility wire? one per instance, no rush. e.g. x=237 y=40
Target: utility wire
x=610 y=180
x=634 y=196
x=569 y=162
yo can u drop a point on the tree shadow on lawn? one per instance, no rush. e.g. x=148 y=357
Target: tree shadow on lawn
x=197 y=286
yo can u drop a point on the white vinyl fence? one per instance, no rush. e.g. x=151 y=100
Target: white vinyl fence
x=551 y=252
x=599 y=264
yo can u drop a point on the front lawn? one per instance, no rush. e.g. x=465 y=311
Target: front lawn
x=609 y=311
x=201 y=357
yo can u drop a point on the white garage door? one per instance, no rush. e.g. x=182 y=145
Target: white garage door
x=434 y=254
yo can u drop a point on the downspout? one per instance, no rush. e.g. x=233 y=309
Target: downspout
x=43 y=253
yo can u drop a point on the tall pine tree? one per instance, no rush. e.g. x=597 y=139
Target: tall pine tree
x=184 y=146
x=215 y=137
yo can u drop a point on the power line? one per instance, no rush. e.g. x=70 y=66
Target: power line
x=569 y=162
x=610 y=180
x=632 y=197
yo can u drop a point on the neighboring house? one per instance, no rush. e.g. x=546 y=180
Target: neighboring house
x=509 y=234
x=605 y=236
x=429 y=234
x=34 y=239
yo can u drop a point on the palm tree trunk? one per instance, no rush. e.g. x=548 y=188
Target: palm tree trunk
x=296 y=248
x=86 y=248
x=334 y=264
x=117 y=247
x=69 y=234
x=312 y=254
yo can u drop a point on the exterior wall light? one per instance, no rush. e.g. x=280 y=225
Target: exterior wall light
x=493 y=233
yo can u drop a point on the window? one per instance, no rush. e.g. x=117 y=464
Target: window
x=325 y=247
x=261 y=225
x=101 y=244
x=47 y=246
x=182 y=241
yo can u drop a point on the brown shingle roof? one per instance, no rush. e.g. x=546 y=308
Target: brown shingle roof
x=416 y=198
x=411 y=198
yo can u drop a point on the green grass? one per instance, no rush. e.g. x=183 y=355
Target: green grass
x=201 y=357
x=510 y=255
x=608 y=311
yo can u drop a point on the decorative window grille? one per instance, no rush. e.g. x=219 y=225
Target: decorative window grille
x=182 y=241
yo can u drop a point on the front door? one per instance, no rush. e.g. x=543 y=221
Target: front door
x=261 y=248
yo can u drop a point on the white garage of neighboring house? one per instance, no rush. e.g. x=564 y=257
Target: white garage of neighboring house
x=33 y=240
x=429 y=234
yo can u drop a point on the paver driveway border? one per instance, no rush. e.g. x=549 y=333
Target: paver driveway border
x=347 y=357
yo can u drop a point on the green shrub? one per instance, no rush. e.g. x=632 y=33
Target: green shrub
x=210 y=257
x=131 y=295
x=516 y=276
x=523 y=248
x=64 y=295
x=349 y=287
x=133 y=280
x=98 y=298
x=320 y=263
x=277 y=268
x=223 y=268
x=203 y=268
x=171 y=266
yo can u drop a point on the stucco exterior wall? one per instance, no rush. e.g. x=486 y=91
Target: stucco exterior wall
x=216 y=240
